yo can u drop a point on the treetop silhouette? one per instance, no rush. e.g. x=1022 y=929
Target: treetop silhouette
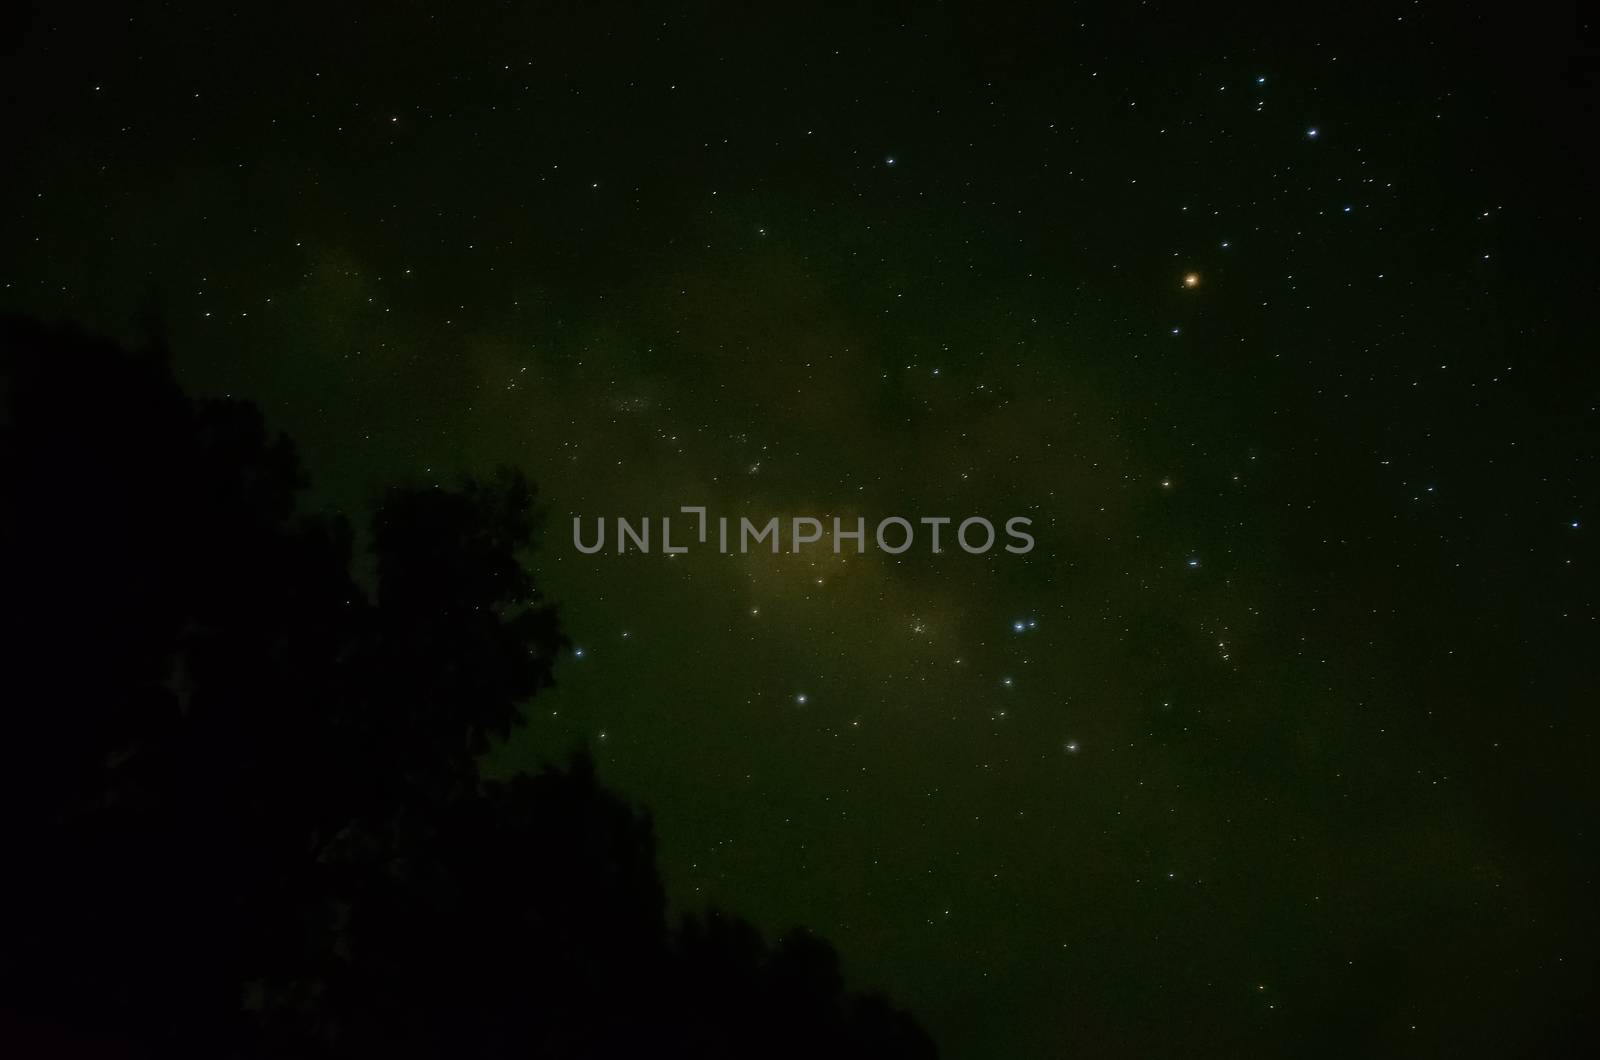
x=239 y=794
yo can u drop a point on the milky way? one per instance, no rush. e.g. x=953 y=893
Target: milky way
x=1277 y=327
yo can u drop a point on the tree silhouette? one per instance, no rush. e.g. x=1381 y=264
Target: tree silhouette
x=239 y=796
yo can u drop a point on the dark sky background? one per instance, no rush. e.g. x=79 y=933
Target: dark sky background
x=1294 y=750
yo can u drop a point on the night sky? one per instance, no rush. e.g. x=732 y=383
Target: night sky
x=1279 y=325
